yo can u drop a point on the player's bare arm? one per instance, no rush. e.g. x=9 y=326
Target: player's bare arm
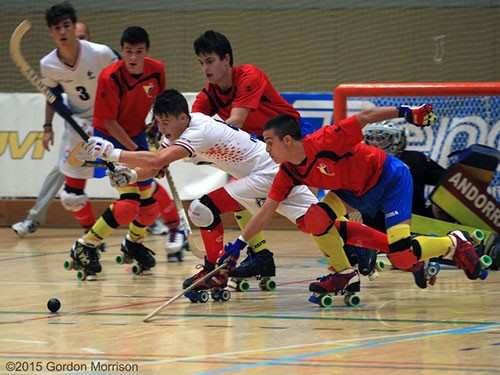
x=48 y=132
x=238 y=117
x=117 y=132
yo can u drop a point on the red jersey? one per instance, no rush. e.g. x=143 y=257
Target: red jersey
x=251 y=89
x=127 y=98
x=335 y=159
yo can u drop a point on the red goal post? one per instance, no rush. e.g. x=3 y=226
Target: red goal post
x=411 y=89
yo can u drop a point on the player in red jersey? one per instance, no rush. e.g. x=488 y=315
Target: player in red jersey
x=363 y=176
x=244 y=97
x=125 y=93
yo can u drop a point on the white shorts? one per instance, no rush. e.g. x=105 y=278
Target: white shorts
x=251 y=192
x=69 y=141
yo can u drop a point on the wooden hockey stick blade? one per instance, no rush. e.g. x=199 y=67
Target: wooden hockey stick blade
x=184 y=291
x=34 y=79
x=197 y=252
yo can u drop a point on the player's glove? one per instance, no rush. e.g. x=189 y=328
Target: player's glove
x=421 y=116
x=122 y=176
x=99 y=148
x=232 y=253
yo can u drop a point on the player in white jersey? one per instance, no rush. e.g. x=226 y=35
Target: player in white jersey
x=73 y=67
x=206 y=139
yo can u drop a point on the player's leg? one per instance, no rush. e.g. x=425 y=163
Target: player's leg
x=132 y=245
x=177 y=235
x=37 y=214
x=205 y=213
x=319 y=220
x=74 y=199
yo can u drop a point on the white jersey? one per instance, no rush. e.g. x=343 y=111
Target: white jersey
x=230 y=149
x=78 y=82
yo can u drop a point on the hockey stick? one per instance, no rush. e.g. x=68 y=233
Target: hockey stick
x=34 y=79
x=182 y=213
x=184 y=291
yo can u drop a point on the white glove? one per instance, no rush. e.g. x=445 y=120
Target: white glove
x=99 y=148
x=122 y=176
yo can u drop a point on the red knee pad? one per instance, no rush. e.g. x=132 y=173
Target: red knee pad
x=148 y=214
x=125 y=210
x=403 y=260
x=315 y=221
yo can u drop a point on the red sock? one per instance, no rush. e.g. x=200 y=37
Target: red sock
x=360 y=235
x=214 y=242
x=85 y=216
x=168 y=211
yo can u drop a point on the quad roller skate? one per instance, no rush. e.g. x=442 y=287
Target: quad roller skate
x=425 y=273
x=259 y=265
x=465 y=255
x=366 y=261
x=84 y=260
x=176 y=244
x=214 y=287
x=346 y=284
x=136 y=251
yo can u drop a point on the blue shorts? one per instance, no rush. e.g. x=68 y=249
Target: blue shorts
x=142 y=145
x=393 y=194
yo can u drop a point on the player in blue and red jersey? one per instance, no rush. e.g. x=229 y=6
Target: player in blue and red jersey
x=364 y=177
x=244 y=97
x=126 y=91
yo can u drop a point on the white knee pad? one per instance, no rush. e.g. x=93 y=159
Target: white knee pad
x=73 y=202
x=201 y=215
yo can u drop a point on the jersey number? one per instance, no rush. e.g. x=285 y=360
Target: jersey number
x=83 y=94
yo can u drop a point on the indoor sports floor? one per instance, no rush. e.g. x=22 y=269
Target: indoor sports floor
x=452 y=328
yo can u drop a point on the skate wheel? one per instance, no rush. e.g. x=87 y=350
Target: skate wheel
x=352 y=300
x=68 y=265
x=478 y=236
x=225 y=295
x=120 y=259
x=203 y=296
x=81 y=275
x=243 y=286
x=268 y=285
x=483 y=275
x=486 y=261
x=136 y=269
x=433 y=269
x=326 y=300
x=379 y=265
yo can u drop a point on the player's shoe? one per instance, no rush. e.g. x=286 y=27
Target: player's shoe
x=425 y=273
x=25 y=227
x=86 y=257
x=143 y=255
x=347 y=284
x=216 y=281
x=175 y=244
x=365 y=259
x=256 y=264
x=158 y=228
x=465 y=256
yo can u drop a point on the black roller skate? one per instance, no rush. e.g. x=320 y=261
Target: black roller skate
x=346 y=284
x=366 y=261
x=425 y=273
x=138 y=252
x=259 y=265
x=85 y=260
x=215 y=285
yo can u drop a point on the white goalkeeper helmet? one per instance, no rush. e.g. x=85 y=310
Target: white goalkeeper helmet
x=385 y=135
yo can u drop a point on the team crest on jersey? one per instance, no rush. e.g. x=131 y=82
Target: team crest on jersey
x=148 y=89
x=90 y=75
x=323 y=168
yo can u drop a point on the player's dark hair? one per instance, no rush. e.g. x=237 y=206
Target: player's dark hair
x=60 y=12
x=284 y=125
x=135 y=35
x=213 y=42
x=170 y=102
